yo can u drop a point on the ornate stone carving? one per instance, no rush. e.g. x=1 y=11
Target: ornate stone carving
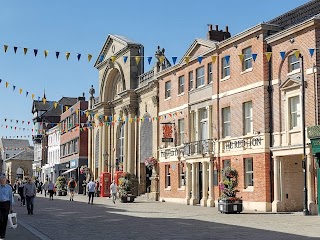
x=110 y=64
x=155 y=100
x=130 y=109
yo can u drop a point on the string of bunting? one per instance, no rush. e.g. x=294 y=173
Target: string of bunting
x=16 y=128
x=17 y=137
x=16 y=121
x=14 y=87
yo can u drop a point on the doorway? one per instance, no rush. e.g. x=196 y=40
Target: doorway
x=200 y=193
x=148 y=180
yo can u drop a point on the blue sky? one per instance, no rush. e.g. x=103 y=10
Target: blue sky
x=82 y=26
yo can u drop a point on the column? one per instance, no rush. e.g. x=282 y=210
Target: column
x=276 y=184
x=204 y=184
x=100 y=149
x=104 y=149
x=188 y=182
x=193 y=199
x=126 y=140
x=310 y=184
x=196 y=125
x=131 y=158
x=90 y=163
x=210 y=202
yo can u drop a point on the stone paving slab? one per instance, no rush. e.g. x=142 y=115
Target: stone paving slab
x=20 y=233
x=62 y=219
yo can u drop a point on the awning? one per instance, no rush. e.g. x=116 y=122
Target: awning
x=70 y=170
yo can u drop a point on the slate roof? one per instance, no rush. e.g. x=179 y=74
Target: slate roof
x=25 y=155
x=40 y=106
x=124 y=39
x=14 y=143
x=297 y=15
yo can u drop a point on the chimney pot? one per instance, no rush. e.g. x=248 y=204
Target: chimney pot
x=210 y=27
x=217 y=27
x=227 y=29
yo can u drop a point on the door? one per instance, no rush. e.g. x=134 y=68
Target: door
x=200 y=193
x=148 y=180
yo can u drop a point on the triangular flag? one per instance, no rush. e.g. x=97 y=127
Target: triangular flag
x=55 y=104
x=20 y=90
x=14 y=87
x=311 y=51
x=32 y=96
x=25 y=50
x=101 y=58
x=161 y=59
x=67 y=55
x=89 y=57
x=46 y=53
x=187 y=59
x=15 y=49
x=174 y=60
x=67 y=108
x=79 y=56
x=149 y=59
x=227 y=58
x=113 y=58
x=44 y=100
x=282 y=54
x=214 y=58
x=297 y=54
x=57 y=54
x=7 y=84
x=5 y=48
x=200 y=59
x=87 y=114
x=254 y=56
x=138 y=58
x=0 y=80
x=241 y=56
x=125 y=58
x=35 y=52
x=268 y=55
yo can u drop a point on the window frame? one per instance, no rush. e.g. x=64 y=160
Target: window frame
x=246 y=58
x=296 y=113
x=248 y=118
x=167 y=89
x=181 y=84
x=181 y=131
x=182 y=176
x=200 y=78
x=209 y=73
x=248 y=172
x=225 y=67
x=191 y=82
x=168 y=176
x=226 y=123
x=291 y=64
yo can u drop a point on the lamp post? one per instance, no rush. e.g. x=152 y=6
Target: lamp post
x=305 y=190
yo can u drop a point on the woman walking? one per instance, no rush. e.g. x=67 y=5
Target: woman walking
x=50 y=190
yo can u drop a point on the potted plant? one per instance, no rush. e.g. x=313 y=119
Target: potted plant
x=125 y=188
x=228 y=201
x=150 y=162
x=61 y=186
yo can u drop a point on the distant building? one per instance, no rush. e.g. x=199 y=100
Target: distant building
x=9 y=148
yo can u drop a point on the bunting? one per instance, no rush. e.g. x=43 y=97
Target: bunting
x=174 y=59
x=213 y=59
x=138 y=58
x=149 y=59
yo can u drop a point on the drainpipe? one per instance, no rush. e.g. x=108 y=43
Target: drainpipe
x=316 y=95
x=270 y=103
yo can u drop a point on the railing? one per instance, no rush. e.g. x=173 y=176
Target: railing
x=145 y=78
x=203 y=147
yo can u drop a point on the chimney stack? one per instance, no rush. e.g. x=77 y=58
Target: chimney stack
x=217 y=27
x=216 y=35
x=210 y=27
x=227 y=29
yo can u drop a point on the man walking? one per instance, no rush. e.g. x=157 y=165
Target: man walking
x=21 y=193
x=91 y=189
x=6 y=201
x=50 y=190
x=113 y=191
x=30 y=191
x=72 y=185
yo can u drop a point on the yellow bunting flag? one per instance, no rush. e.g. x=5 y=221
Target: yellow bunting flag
x=130 y=120
x=5 y=48
x=77 y=111
x=161 y=59
x=55 y=104
x=20 y=90
x=241 y=56
x=67 y=108
x=297 y=53
x=46 y=53
x=87 y=114
x=187 y=59
x=113 y=58
x=138 y=59
x=214 y=58
x=106 y=118
x=7 y=84
x=32 y=96
x=67 y=55
x=25 y=50
x=89 y=57
x=268 y=55
x=44 y=100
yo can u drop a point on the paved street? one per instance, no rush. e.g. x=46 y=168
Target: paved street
x=62 y=219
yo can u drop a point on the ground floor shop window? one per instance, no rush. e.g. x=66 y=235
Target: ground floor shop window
x=248 y=172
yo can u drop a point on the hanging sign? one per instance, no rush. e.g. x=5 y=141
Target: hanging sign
x=167 y=129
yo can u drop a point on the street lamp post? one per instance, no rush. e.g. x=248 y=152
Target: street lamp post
x=305 y=190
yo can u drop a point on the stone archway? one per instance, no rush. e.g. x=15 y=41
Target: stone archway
x=19 y=173
x=112 y=84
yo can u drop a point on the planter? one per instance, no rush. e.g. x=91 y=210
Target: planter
x=127 y=199
x=230 y=207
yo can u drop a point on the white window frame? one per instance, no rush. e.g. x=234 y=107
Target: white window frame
x=247 y=118
x=199 y=78
x=248 y=173
x=203 y=122
x=181 y=85
x=182 y=176
x=168 y=176
x=225 y=68
x=294 y=114
x=226 y=123
x=247 y=59
x=292 y=65
x=181 y=131
x=209 y=71
x=167 y=89
x=191 y=83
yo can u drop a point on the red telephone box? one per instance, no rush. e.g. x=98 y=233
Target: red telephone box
x=105 y=181
x=117 y=175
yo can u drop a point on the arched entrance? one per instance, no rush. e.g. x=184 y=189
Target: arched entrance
x=19 y=173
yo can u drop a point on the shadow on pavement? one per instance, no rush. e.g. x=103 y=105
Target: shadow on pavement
x=65 y=220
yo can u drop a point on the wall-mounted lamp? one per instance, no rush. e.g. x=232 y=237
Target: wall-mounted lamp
x=235 y=45
x=291 y=40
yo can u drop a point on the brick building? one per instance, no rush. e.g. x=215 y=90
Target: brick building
x=229 y=105
x=74 y=142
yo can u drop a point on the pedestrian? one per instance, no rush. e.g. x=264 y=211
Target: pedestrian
x=45 y=188
x=40 y=187
x=72 y=185
x=91 y=189
x=113 y=190
x=84 y=186
x=30 y=192
x=21 y=194
x=50 y=190
x=6 y=202
x=97 y=190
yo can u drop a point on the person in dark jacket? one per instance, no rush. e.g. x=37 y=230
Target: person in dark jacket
x=21 y=194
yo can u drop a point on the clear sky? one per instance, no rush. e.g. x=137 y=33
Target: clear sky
x=82 y=26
